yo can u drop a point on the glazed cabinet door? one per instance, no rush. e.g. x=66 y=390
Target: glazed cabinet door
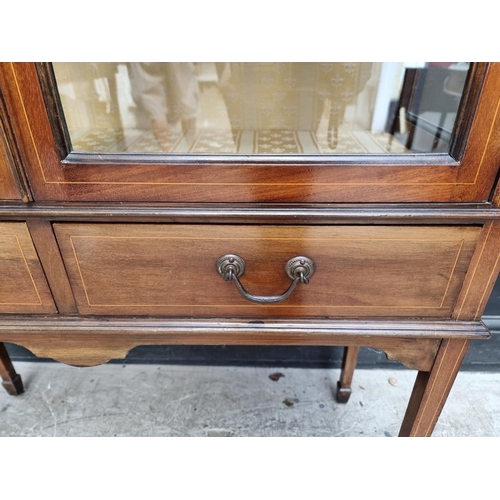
x=257 y=132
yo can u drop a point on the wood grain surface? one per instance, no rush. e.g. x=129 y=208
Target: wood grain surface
x=170 y=269
x=432 y=388
x=53 y=266
x=91 y=341
x=23 y=288
x=10 y=186
x=370 y=178
x=407 y=267
x=257 y=213
x=482 y=274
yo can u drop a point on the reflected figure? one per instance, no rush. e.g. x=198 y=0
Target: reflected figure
x=167 y=92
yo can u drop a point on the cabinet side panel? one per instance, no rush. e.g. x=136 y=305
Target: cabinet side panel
x=9 y=183
x=23 y=288
x=481 y=276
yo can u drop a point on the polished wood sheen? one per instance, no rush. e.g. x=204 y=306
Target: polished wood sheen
x=170 y=269
x=483 y=272
x=95 y=340
x=10 y=186
x=216 y=178
x=53 y=266
x=407 y=247
x=432 y=388
x=257 y=213
x=23 y=288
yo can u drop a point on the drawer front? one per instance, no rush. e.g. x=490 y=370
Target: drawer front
x=170 y=270
x=23 y=288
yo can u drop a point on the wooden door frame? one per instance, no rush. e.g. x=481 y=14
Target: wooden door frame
x=12 y=186
x=468 y=175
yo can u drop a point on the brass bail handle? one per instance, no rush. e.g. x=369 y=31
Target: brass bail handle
x=299 y=269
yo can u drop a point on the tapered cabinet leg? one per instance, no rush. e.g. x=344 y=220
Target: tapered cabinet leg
x=11 y=381
x=432 y=388
x=348 y=365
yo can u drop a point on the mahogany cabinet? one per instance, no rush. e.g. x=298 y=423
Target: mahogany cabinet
x=238 y=203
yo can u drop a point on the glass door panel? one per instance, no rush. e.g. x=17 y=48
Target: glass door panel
x=261 y=108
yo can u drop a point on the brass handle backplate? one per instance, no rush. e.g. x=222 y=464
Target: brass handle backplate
x=299 y=269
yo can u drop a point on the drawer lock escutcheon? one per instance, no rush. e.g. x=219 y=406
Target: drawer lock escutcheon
x=299 y=269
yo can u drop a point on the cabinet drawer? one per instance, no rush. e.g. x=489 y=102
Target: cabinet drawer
x=23 y=288
x=170 y=270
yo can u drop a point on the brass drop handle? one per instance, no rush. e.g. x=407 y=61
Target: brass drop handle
x=298 y=269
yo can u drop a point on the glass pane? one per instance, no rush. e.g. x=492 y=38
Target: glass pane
x=261 y=108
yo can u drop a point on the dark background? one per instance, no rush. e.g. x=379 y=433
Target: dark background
x=483 y=355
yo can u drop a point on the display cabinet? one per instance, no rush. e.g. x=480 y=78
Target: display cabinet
x=348 y=204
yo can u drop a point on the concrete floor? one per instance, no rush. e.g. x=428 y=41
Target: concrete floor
x=152 y=400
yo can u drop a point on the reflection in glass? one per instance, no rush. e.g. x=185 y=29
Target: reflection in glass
x=260 y=108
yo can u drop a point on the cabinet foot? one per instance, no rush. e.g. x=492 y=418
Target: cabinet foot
x=343 y=393
x=15 y=386
x=348 y=365
x=11 y=381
